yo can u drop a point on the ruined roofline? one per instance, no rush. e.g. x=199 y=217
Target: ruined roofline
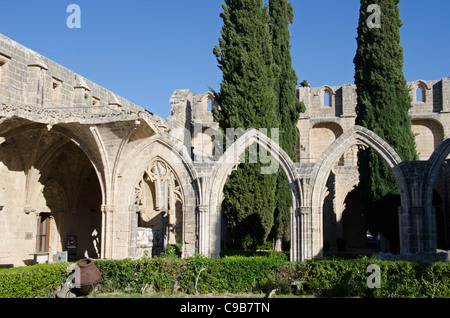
x=410 y=84
x=431 y=96
x=55 y=116
x=29 y=80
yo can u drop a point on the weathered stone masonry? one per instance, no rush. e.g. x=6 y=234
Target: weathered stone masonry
x=79 y=162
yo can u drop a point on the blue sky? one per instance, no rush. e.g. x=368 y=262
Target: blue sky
x=143 y=50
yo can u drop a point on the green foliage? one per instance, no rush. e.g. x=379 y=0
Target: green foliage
x=237 y=274
x=174 y=250
x=304 y=83
x=39 y=281
x=382 y=106
x=282 y=15
x=258 y=90
x=247 y=100
x=244 y=55
x=249 y=224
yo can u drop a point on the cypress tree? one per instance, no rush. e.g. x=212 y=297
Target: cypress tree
x=247 y=100
x=382 y=106
x=282 y=15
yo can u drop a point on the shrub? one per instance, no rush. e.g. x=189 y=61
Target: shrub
x=238 y=274
x=39 y=281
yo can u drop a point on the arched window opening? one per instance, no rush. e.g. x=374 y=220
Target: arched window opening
x=420 y=94
x=209 y=106
x=327 y=99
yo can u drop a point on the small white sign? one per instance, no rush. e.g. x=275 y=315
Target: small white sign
x=61 y=257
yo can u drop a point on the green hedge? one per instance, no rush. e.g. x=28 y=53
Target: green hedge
x=237 y=274
x=229 y=274
x=38 y=281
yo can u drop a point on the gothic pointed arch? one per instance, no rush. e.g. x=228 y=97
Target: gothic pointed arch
x=433 y=167
x=355 y=136
x=158 y=209
x=359 y=136
x=224 y=166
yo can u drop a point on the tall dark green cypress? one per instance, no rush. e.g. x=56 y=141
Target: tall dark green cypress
x=247 y=100
x=282 y=15
x=382 y=106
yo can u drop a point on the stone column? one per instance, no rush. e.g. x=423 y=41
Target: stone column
x=36 y=80
x=417 y=215
x=348 y=100
x=107 y=231
x=432 y=230
x=295 y=235
x=445 y=95
x=203 y=228
x=317 y=233
x=404 y=230
x=306 y=235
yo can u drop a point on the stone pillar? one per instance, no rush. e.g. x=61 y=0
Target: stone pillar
x=317 y=233
x=304 y=95
x=349 y=100
x=107 y=231
x=404 y=230
x=306 y=244
x=203 y=229
x=302 y=245
x=81 y=92
x=36 y=80
x=295 y=236
x=445 y=95
x=431 y=230
x=134 y=215
x=417 y=215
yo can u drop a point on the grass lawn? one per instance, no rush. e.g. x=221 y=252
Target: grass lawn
x=184 y=295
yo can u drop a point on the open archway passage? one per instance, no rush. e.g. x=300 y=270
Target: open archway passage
x=256 y=209
x=52 y=177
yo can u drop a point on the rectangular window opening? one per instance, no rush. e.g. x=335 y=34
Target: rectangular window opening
x=43 y=233
x=56 y=88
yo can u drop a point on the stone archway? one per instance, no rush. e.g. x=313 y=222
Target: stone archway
x=313 y=204
x=210 y=223
x=432 y=169
x=434 y=163
x=176 y=160
x=58 y=178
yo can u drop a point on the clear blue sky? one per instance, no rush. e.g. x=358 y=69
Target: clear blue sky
x=143 y=50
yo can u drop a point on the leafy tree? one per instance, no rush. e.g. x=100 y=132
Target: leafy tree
x=282 y=15
x=247 y=100
x=382 y=106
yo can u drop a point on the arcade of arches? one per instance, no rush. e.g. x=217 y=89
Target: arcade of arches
x=100 y=177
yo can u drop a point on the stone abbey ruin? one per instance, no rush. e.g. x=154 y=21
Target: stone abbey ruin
x=87 y=172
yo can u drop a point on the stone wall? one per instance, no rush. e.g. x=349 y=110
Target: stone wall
x=30 y=78
x=79 y=154
x=330 y=111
